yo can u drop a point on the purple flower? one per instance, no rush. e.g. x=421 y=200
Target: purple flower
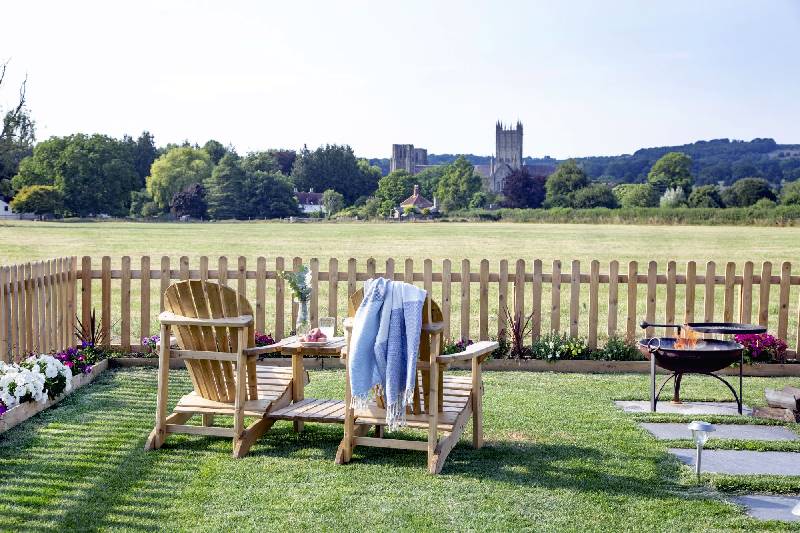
x=3 y=408
x=88 y=369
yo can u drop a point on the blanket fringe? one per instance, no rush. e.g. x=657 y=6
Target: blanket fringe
x=395 y=412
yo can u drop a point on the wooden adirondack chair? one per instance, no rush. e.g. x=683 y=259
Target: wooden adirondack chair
x=215 y=332
x=442 y=404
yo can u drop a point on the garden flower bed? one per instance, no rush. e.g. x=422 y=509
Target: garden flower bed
x=38 y=382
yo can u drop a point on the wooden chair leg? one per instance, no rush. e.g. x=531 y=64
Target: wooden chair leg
x=477 y=405
x=208 y=419
x=159 y=433
x=241 y=392
x=242 y=445
x=433 y=407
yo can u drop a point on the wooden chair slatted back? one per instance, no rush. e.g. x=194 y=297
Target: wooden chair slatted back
x=430 y=313
x=213 y=380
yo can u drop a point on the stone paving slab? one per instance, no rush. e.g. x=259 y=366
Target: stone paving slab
x=743 y=461
x=685 y=408
x=723 y=432
x=763 y=507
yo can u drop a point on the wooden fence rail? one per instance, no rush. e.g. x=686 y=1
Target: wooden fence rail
x=38 y=301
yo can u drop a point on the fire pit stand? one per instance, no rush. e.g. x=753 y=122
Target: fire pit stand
x=704 y=356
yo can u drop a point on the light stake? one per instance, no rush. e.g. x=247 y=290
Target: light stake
x=700 y=433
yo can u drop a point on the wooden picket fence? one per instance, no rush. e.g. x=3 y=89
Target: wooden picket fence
x=38 y=300
x=37 y=307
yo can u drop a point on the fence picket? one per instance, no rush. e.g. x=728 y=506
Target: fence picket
x=222 y=270
x=105 y=295
x=730 y=280
x=763 y=293
x=333 y=290
x=691 y=291
x=783 y=299
x=241 y=277
x=650 y=312
x=125 y=304
x=352 y=274
x=446 y=286
x=594 y=286
x=502 y=300
x=16 y=333
x=555 y=297
x=183 y=263
x=536 y=300
x=669 y=315
x=203 y=268
x=483 y=295
x=31 y=276
x=261 y=293
x=5 y=294
x=708 y=296
x=574 y=298
x=297 y=263
x=633 y=284
x=746 y=298
x=519 y=291
x=164 y=280
x=465 y=302
x=314 y=311
x=613 y=297
x=280 y=299
x=144 y=310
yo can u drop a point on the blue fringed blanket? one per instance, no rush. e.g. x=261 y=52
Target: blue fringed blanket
x=384 y=346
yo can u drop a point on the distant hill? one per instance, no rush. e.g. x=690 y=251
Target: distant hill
x=714 y=161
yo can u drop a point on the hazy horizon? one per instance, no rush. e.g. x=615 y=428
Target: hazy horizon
x=584 y=79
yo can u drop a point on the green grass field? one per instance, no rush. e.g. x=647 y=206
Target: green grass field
x=26 y=241
x=558 y=456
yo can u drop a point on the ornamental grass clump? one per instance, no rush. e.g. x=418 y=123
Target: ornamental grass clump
x=762 y=348
x=618 y=349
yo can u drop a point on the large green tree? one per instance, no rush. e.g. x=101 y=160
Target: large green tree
x=215 y=149
x=428 y=180
x=39 y=200
x=144 y=153
x=673 y=170
x=395 y=187
x=175 y=171
x=790 y=193
x=458 y=185
x=561 y=186
x=594 y=195
x=236 y=189
x=95 y=173
x=334 y=167
x=332 y=201
x=522 y=190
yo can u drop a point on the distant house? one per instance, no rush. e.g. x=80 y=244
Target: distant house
x=417 y=202
x=310 y=202
x=5 y=209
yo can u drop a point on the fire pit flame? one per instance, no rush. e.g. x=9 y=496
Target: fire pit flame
x=687 y=340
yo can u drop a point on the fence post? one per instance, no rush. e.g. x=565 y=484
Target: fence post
x=763 y=294
x=314 y=292
x=730 y=280
x=555 y=298
x=280 y=299
x=163 y=280
x=783 y=300
x=483 y=294
x=105 y=295
x=5 y=315
x=536 y=300
x=691 y=291
x=465 y=302
x=652 y=277
x=261 y=293
x=594 y=282
x=613 y=297
x=144 y=298
x=502 y=300
x=333 y=291
x=125 y=304
x=446 y=286
x=708 y=296
x=746 y=298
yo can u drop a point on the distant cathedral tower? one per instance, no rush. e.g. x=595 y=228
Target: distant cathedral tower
x=508 y=155
x=509 y=145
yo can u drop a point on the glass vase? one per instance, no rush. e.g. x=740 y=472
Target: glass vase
x=303 y=324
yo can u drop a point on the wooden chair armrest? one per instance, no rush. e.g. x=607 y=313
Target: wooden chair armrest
x=433 y=327
x=171 y=319
x=478 y=349
x=262 y=350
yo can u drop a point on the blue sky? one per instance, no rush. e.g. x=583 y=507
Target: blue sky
x=585 y=77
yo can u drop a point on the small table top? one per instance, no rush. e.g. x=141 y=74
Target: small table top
x=292 y=346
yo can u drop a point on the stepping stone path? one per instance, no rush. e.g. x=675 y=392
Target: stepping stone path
x=743 y=461
x=723 y=432
x=685 y=408
x=736 y=462
x=763 y=507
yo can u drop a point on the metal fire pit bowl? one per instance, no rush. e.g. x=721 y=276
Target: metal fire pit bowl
x=705 y=357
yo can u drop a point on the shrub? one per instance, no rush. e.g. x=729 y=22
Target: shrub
x=451 y=347
x=264 y=339
x=673 y=198
x=636 y=195
x=618 y=349
x=746 y=192
x=595 y=195
x=705 y=196
x=554 y=346
x=790 y=194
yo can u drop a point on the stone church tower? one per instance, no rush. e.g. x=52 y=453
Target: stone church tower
x=509 y=145
x=508 y=154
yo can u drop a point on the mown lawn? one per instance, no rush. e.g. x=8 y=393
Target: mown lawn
x=559 y=456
